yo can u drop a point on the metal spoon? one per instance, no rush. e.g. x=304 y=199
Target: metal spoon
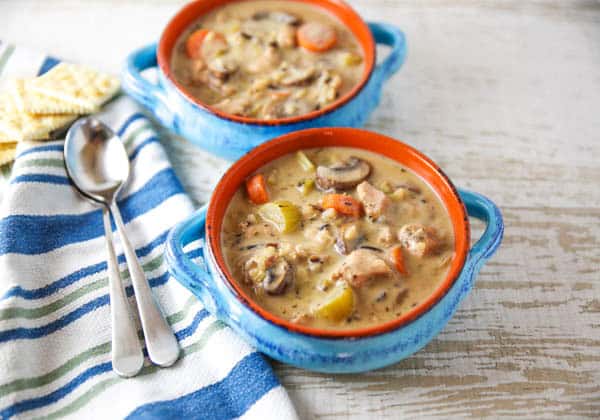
x=98 y=164
x=127 y=355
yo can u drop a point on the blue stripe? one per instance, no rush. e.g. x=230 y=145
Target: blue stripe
x=229 y=398
x=189 y=330
x=69 y=387
x=140 y=146
x=31 y=333
x=34 y=403
x=129 y=121
x=42 y=292
x=26 y=234
x=23 y=333
x=48 y=148
x=48 y=63
x=57 y=285
x=44 y=178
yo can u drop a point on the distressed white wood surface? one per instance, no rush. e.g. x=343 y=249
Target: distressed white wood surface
x=506 y=97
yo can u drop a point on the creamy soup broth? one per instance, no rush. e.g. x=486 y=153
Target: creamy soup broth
x=254 y=59
x=305 y=256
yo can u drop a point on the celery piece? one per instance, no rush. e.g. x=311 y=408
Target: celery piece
x=305 y=187
x=283 y=214
x=350 y=59
x=304 y=161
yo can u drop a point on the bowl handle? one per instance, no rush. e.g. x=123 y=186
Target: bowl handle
x=194 y=275
x=484 y=209
x=393 y=37
x=150 y=95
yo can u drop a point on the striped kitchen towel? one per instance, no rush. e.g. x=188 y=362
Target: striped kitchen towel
x=54 y=307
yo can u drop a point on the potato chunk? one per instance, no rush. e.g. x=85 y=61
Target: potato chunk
x=339 y=304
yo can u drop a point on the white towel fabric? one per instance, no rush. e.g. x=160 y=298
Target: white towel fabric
x=54 y=307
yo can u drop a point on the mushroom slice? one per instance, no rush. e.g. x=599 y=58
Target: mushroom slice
x=278 y=277
x=284 y=17
x=276 y=16
x=260 y=15
x=342 y=177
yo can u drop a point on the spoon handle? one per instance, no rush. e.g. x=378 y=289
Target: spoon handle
x=127 y=356
x=161 y=343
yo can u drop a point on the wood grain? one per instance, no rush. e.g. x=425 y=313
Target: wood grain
x=505 y=95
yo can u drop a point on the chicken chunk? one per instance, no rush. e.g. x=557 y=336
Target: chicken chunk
x=374 y=201
x=362 y=266
x=419 y=240
x=385 y=235
x=286 y=36
x=235 y=106
x=266 y=62
x=256 y=263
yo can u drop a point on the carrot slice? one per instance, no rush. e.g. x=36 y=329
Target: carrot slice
x=316 y=37
x=256 y=187
x=343 y=204
x=193 y=45
x=398 y=258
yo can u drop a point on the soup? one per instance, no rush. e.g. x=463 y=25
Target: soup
x=337 y=238
x=268 y=59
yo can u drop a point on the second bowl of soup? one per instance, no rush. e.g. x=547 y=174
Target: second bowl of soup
x=337 y=249
x=233 y=74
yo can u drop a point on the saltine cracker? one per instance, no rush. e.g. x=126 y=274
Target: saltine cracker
x=69 y=88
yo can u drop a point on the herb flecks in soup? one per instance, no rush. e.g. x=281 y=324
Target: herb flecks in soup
x=337 y=238
x=268 y=59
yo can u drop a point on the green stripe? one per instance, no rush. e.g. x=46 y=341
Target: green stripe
x=55 y=163
x=5 y=56
x=148 y=369
x=179 y=316
x=34 y=313
x=21 y=384
x=104 y=348
x=131 y=137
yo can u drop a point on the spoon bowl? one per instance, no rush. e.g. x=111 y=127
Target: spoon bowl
x=96 y=160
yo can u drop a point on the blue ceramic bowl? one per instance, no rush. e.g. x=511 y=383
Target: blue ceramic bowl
x=229 y=136
x=346 y=352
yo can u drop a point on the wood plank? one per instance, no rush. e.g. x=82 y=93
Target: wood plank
x=525 y=342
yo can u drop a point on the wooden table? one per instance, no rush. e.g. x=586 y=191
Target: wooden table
x=506 y=97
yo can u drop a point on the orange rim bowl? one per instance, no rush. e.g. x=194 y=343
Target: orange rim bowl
x=341 y=137
x=194 y=10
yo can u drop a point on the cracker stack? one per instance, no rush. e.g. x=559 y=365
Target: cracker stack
x=32 y=109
